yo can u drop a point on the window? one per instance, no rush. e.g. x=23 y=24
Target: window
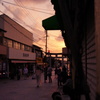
x=5 y=41
x=22 y=46
x=16 y=45
x=9 y=43
x=27 y=48
x=0 y=39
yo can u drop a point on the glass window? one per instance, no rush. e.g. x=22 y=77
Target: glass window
x=5 y=41
x=9 y=43
x=27 y=48
x=0 y=39
x=16 y=45
x=22 y=46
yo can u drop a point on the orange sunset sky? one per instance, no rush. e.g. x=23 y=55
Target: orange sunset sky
x=29 y=14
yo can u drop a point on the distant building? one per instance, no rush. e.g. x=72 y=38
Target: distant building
x=18 y=42
x=39 y=54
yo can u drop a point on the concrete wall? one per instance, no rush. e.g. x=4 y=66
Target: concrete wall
x=21 y=55
x=15 y=31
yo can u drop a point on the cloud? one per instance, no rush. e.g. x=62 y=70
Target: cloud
x=34 y=1
x=59 y=38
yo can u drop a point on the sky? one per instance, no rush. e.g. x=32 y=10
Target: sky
x=29 y=14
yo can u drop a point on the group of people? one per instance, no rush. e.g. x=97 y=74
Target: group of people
x=61 y=75
x=47 y=74
x=64 y=80
x=19 y=71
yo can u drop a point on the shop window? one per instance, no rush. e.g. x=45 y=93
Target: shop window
x=30 y=48
x=27 y=48
x=5 y=41
x=22 y=46
x=0 y=39
x=9 y=43
x=16 y=45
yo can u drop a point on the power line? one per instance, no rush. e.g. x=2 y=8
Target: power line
x=16 y=28
x=27 y=8
x=41 y=39
x=28 y=13
x=35 y=7
x=21 y=21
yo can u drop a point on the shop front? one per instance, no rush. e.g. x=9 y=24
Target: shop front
x=3 y=61
x=19 y=58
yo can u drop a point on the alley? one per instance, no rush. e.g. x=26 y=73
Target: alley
x=27 y=90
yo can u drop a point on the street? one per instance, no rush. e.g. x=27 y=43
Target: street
x=27 y=90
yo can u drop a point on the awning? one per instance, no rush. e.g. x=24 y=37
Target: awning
x=20 y=61
x=51 y=23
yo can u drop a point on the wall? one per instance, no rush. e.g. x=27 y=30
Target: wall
x=89 y=50
x=97 y=35
x=21 y=55
x=16 y=32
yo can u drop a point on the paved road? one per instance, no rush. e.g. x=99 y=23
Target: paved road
x=27 y=90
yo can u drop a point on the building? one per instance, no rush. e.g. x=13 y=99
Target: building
x=18 y=42
x=3 y=55
x=39 y=54
x=79 y=22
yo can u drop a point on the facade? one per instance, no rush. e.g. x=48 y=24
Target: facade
x=19 y=42
x=79 y=22
x=3 y=55
x=39 y=54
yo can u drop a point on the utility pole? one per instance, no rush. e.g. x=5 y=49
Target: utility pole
x=46 y=42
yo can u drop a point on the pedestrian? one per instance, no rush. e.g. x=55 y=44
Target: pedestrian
x=49 y=74
x=56 y=72
x=59 y=78
x=45 y=74
x=25 y=72
x=64 y=74
x=18 y=73
x=38 y=75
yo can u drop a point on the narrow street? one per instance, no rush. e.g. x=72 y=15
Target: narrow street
x=27 y=90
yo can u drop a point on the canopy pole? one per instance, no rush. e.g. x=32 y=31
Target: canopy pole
x=46 y=42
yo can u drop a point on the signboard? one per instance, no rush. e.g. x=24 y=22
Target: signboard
x=21 y=55
x=39 y=60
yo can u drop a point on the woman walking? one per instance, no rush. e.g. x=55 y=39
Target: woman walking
x=38 y=75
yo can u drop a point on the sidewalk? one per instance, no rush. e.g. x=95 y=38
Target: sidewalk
x=27 y=90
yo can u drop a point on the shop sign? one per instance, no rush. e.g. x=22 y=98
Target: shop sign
x=25 y=55
x=39 y=60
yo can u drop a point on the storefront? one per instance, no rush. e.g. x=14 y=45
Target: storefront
x=19 y=58
x=3 y=56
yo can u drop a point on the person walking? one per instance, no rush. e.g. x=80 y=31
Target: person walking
x=56 y=70
x=25 y=73
x=49 y=74
x=64 y=74
x=18 y=73
x=45 y=74
x=59 y=78
x=38 y=75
